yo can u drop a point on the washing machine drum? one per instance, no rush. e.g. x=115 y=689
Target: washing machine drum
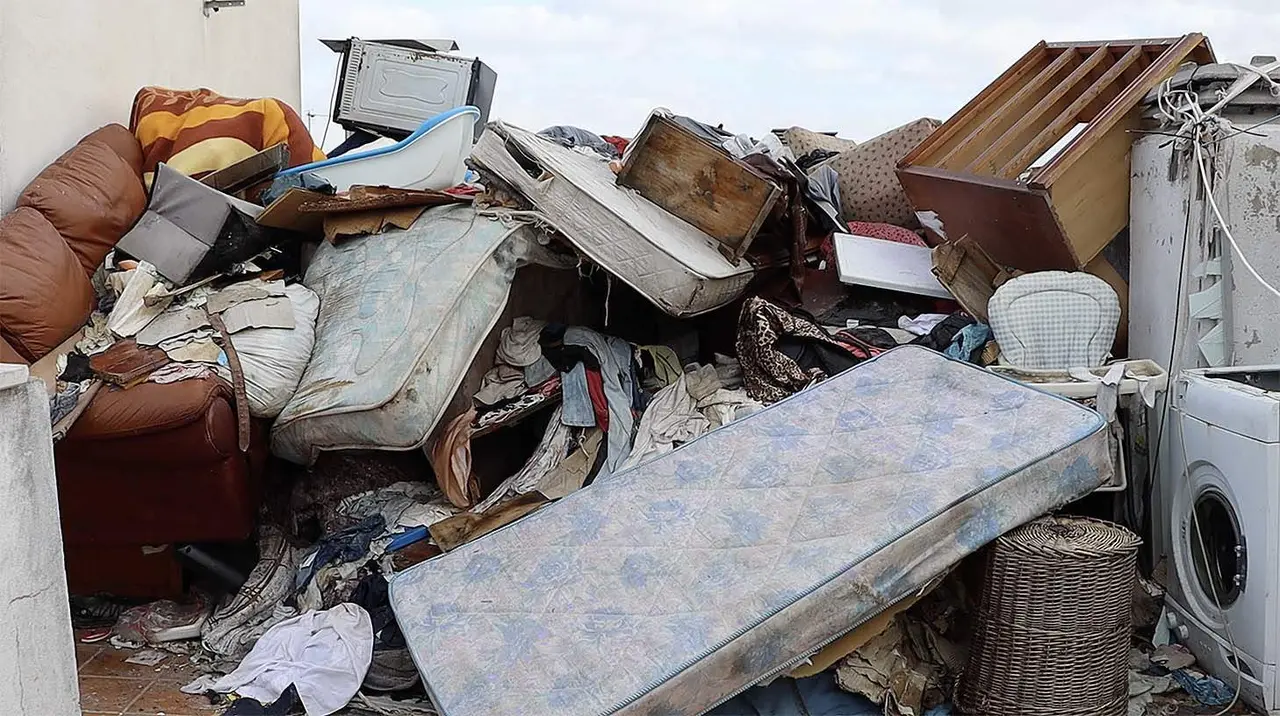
x=1211 y=546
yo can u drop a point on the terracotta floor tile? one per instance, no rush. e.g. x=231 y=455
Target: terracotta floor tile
x=85 y=652
x=111 y=662
x=177 y=669
x=104 y=694
x=165 y=698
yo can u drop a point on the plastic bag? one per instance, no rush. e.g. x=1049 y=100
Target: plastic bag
x=162 y=621
x=273 y=359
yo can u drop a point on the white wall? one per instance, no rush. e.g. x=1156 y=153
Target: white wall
x=37 y=651
x=68 y=67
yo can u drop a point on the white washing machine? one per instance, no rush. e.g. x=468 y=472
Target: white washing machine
x=1224 y=455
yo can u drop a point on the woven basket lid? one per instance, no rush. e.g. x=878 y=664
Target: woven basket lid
x=1071 y=536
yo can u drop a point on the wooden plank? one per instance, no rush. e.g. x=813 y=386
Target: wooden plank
x=699 y=183
x=1090 y=45
x=1103 y=269
x=1100 y=104
x=1091 y=198
x=251 y=170
x=1116 y=111
x=1033 y=122
x=1059 y=127
x=961 y=156
x=968 y=273
x=1010 y=81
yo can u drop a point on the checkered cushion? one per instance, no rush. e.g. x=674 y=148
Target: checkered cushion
x=1054 y=319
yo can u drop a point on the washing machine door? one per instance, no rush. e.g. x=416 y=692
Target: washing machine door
x=1219 y=517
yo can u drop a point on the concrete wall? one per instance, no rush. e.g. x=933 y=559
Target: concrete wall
x=37 y=651
x=68 y=67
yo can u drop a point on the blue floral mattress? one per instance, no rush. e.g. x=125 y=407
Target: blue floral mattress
x=670 y=587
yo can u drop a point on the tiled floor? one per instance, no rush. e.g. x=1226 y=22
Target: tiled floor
x=109 y=686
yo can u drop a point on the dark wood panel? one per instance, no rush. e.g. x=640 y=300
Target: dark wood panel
x=1012 y=222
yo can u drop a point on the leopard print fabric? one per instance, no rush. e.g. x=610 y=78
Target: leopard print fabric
x=769 y=374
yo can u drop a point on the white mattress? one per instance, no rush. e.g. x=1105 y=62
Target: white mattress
x=674 y=265
x=402 y=315
x=672 y=586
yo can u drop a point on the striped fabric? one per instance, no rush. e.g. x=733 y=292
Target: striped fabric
x=199 y=131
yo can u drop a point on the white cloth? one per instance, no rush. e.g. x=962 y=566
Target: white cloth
x=175 y=372
x=403 y=505
x=690 y=407
x=921 y=324
x=324 y=654
x=519 y=345
x=502 y=382
x=131 y=312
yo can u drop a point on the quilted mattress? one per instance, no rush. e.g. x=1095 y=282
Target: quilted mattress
x=674 y=265
x=670 y=587
x=402 y=315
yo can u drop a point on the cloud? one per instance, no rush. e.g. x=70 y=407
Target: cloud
x=856 y=66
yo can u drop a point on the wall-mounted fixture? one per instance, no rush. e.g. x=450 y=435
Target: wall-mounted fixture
x=212 y=6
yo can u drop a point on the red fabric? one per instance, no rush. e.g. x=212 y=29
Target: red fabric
x=619 y=143
x=463 y=190
x=888 y=232
x=828 y=251
x=595 y=387
x=859 y=348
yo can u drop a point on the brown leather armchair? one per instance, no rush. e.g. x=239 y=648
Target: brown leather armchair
x=146 y=468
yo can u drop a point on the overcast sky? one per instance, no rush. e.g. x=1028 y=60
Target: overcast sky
x=858 y=67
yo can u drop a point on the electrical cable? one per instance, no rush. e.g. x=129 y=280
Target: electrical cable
x=333 y=98
x=1195 y=125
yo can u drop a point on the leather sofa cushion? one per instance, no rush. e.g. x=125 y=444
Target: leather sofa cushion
x=149 y=408
x=91 y=196
x=45 y=295
x=9 y=354
x=169 y=487
x=122 y=142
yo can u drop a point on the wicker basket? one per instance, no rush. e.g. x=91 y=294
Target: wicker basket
x=1054 y=622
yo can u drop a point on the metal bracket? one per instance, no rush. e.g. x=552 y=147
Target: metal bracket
x=212 y=6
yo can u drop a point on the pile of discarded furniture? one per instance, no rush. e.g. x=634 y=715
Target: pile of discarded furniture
x=504 y=421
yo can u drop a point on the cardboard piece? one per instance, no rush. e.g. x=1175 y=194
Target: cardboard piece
x=453 y=532
x=172 y=324
x=236 y=293
x=574 y=470
x=830 y=655
x=338 y=227
x=369 y=198
x=272 y=312
x=283 y=213
x=202 y=350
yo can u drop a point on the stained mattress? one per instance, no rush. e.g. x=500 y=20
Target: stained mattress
x=402 y=315
x=670 y=587
x=674 y=265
